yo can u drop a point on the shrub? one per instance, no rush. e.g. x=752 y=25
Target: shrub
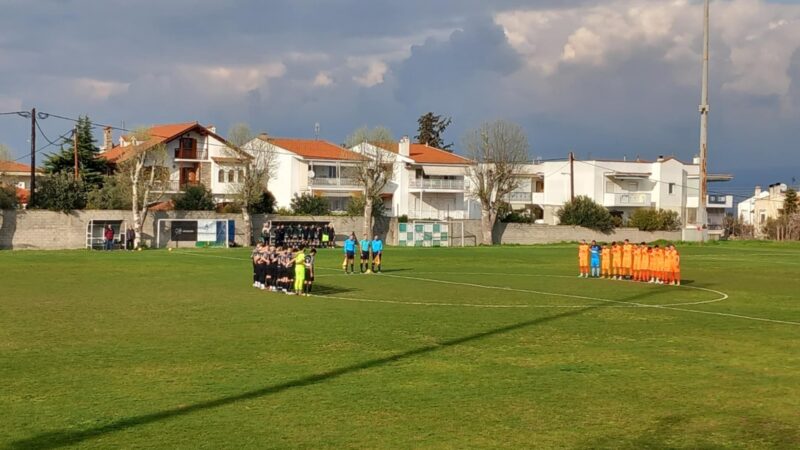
x=8 y=197
x=112 y=195
x=229 y=208
x=310 y=205
x=519 y=217
x=403 y=219
x=650 y=219
x=195 y=198
x=584 y=212
x=356 y=207
x=264 y=205
x=284 y=212
x=60 y=192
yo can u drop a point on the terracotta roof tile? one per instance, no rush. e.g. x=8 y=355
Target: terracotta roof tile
x=314 y=149
x=424 y=154
x=12 y=166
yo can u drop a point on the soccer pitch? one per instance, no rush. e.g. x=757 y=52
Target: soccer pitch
x=500 y=347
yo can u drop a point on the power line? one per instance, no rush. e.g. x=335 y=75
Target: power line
x=44 y=147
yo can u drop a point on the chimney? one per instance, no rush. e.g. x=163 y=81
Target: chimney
x=758 y=190
x=696 y=160
x=263 y=136
x=405 y=147
x=212 y=128
x=660 y=158
x=108 y=139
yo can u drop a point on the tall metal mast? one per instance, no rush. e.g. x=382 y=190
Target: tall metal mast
x=702 y=219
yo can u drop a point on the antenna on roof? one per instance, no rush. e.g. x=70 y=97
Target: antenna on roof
x=316 y=130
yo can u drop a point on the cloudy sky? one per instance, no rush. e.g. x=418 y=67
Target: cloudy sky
x=605 y=78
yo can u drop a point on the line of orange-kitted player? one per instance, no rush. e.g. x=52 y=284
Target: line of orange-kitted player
x=626 y=261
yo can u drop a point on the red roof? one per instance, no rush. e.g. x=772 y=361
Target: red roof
x=11 y=166
x=314 y=149
x=159 y=134
x=425 y=154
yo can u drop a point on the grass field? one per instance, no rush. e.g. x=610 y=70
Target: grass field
x=449 y=348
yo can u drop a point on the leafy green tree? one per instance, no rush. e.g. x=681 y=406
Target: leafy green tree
x=265 y=204
x=431 y=128
x=790 y=205
x=5 y=153
x=90 y=168
x=374 y=170
x=650 y=219
x=195 y=198
x=357 y=205
x=8 y=196
x=60 y=192
x=114 y=194
x=585 y=212
x=310 y=205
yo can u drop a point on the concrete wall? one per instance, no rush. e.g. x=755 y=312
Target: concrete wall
x=517 y=233
x=51 y=230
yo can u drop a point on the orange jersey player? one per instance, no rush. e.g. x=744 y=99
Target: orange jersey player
x=644 y=264
x=627 y=258
x=583 y=259
x=637 y=262
x=605 y=261
x=616 y=261
x=657 y=264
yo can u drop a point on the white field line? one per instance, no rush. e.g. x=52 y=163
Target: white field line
x=641 y=305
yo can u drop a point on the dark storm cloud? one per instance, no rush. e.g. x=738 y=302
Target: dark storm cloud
x=282 y=66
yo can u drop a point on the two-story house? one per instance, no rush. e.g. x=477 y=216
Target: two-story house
x=427 y=182
x=18 y=175
x=195 y=154
x=311 y=166
x=622 y=187
x=762 y=206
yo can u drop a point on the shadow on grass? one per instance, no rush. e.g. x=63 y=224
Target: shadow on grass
x=61 y=438
x=323 y=289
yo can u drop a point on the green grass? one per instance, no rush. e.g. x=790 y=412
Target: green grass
x=176 y=350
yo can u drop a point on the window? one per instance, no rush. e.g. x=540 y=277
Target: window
x=240 y=176
x=671 y=188
x=231 y=177
x=221 y=176
x=633 y=186
x=187 y=143
x=610 y=187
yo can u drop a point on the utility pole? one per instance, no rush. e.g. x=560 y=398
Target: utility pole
x=704 y=110
x=75 y=149
x=33 y=157
x=571 y=176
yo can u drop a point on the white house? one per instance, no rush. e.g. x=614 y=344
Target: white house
x=195 y=154
x=427 y=182
x=621 y=186
x=310 y=166
x=762 y=206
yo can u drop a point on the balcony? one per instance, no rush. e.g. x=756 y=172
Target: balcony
x=536 y=198
x=719 y=201
x=172 y=186
x=438 y=214
x=629 y=199
x=186 y=154
x=334 y=182
x=440 y=184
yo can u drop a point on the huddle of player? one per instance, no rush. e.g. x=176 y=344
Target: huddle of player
x=626 y=261
x=368 y=264
x=283 y=269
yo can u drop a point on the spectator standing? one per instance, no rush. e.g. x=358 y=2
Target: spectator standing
x=108 y=235
x=130 y=238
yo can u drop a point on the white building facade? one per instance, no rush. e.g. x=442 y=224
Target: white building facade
x=620 y=186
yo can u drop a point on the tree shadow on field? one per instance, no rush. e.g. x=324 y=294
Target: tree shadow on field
x=61 y=438
x=324 y=289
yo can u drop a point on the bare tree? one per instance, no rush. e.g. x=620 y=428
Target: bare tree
x=144 y=169
x=498 y=149
x=5 y=153
x=257 y=157
x=374 y=168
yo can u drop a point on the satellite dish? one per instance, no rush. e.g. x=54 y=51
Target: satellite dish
x=311 y=174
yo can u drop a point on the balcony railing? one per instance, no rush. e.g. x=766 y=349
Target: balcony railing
x=439 y=214
x=628 y=199
x=438 y=183
x=322 y=182
x=186 y=153
x=526 y=197
x=172 y=185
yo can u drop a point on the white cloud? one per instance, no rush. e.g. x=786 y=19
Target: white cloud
x=242 y=78
x=371 y=71
x=752 y=41
x=98 y=90
x=10 y=103
x=323 y=79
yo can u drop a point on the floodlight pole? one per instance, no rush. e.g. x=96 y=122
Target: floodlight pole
x=702 y=219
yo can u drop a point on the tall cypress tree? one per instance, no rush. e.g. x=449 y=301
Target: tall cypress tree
x=431 y=128
x=90 y=168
